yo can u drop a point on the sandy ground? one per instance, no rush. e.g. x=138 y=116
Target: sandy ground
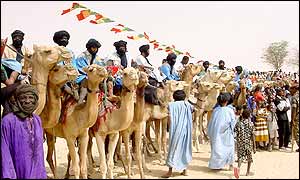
x=266 y=164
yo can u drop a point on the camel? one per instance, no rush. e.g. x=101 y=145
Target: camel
x=188 y=74
x=118 y=120
x=206 y=100
x=136 y=126
x=58 y=76
x=42 y=61
x=241 y=97
x=77 y=121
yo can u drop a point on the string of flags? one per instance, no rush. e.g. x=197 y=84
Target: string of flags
x=120 y=28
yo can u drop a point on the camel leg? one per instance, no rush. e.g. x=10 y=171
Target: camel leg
x=196 y=133
x=164 y=135
x=83 y=154
x=74 y=157
x=127 y=154
x=67 y=175
x=91 y=161
x=51 y=144
x=113 y=140
x=117 y=154
x=101 y=149
x=158 y=138
x=200 y=126
x=138 y=147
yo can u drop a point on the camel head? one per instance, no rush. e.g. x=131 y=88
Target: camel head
x=230 y=86
x=190 y=71
x=60 y=74
x=213 y=75
x=47 y=56
x=173 y=85
x=143 y=79
x=242 y=84
x=95 y=74
x=226 y=77
x=130 y=78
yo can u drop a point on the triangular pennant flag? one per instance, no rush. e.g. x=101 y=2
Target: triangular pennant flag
x=83 y=14
x=127 y=29
x=156 y=45
x=121 y=25
x=154 y=41
x=74 y=6
x=130 y=37
x=116 y=30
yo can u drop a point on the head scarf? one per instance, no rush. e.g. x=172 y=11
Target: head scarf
x=92 y=43
x=15 y=103
x=120 y=43
x=122 y=54
x=144 y=48
x=17 y=33
x=59 y=34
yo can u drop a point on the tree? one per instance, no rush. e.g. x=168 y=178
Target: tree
x=276 y=54
x=294 y=60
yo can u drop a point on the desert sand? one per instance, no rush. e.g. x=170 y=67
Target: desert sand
x=266 y=165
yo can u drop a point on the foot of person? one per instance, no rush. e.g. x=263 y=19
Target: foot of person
x=184 y=173
x=167 y=175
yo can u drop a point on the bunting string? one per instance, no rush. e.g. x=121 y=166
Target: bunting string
x=120 y=28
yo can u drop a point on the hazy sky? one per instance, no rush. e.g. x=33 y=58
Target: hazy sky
x=236 y=32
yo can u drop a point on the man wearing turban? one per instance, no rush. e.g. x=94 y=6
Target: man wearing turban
x=22 y=154
x=61 y=38
x=14 y=62
x=168 y=68
x=144 y=64
x=86 y=58
x=120 y=57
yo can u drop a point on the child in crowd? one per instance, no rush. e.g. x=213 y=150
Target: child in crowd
x=261 y=127
x=244 y=130
x=272 y=126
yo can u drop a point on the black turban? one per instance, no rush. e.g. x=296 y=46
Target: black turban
x=205 y=63
x=59 y=34
x=17 y=33
x=144 y=48
x=239 y=68
x=171 y=56
x=120 y=43
x=221 y=61
x=92 y=43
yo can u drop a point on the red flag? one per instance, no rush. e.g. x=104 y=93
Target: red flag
x=116 y=30
x=159 y=49
x=156 y=45
x=98 y=16
x=130 y=37
x=83 y=14
x=121 y=25
x=154 y=41
x=65 y=11
x=3 y=45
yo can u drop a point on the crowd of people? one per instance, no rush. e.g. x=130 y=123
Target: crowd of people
x=270 y=114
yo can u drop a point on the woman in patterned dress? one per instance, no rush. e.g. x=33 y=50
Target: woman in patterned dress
x=244 y=130
x=261 y=127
